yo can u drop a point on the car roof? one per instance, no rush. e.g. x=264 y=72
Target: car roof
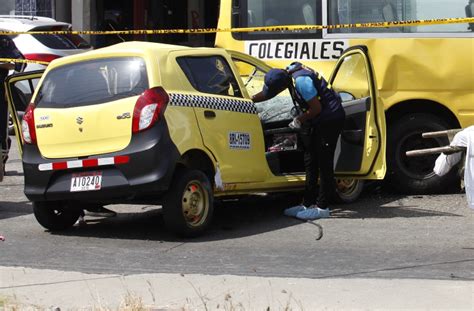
x=25 y=23
x=132 y=47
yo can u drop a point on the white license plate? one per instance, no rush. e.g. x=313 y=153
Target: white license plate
x=86 y=182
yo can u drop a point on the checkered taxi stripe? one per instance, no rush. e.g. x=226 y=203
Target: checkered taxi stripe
x=209 y=102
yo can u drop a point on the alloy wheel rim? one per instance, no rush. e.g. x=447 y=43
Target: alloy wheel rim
x=346 y=186
x=195 y=203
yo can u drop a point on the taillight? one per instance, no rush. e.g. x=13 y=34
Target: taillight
x=41 y=57
x=28 y=125
x=148 y=108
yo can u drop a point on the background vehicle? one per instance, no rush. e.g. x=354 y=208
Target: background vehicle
x=38 y=47
x=163 y=124
x=424 y=73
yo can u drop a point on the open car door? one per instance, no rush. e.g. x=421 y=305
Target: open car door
x=19 y=90
x=361 y=150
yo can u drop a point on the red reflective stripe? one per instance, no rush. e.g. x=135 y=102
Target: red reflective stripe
x=90 y=162
x=121 y=159
x=60 y=166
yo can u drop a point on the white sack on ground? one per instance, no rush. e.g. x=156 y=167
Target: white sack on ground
x=444 y=162
x=469 y=170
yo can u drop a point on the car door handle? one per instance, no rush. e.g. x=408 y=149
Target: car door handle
x=209 y=114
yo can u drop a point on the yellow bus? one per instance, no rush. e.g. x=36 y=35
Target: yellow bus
x=425 y=74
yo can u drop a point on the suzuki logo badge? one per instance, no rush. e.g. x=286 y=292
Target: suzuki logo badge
x=79 y=120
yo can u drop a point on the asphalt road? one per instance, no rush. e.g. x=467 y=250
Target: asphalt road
x=381 y=236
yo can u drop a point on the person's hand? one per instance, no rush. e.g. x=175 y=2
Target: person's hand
x=295 y=124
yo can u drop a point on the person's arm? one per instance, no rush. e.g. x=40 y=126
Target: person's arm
x=259 y=97
x=308 y=91
x=314 y=109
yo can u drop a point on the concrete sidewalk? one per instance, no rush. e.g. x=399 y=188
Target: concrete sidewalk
x=46 y=289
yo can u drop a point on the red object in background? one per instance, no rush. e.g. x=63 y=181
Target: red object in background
x=41 y=57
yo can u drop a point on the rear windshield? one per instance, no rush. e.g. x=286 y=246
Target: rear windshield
x=93 y=82
x=60 y=42
x=63 y=42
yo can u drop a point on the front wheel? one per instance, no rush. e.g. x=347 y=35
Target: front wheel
x=348 y=190
x=55 y=216
x=188 y=207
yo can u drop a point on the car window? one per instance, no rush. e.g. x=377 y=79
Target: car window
x=63 y=42
x=210 y=74
x=272 y=110
x=92 y=82
x=60 y=41
x=351 y=78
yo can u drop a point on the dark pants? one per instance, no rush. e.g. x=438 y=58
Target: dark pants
x=319 y=143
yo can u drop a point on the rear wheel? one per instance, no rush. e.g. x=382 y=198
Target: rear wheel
x=415 y=174
x=188 y=206
x=55 y=216
x=348 y=190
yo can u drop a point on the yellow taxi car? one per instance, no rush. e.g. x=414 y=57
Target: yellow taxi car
x=150 y=123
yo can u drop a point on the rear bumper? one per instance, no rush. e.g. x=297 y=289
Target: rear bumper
x=148 y=173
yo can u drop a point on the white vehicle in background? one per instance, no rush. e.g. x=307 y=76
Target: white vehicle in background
x=40 y=47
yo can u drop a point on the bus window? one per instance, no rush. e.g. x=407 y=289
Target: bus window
x=277 y=13
x=365 y=11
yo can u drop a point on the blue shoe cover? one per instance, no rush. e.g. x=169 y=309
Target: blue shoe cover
x=292 y=211
x=313 y=213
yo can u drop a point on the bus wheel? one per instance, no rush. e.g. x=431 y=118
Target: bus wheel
x=55 y=216
x=414 y=175
x=348 y=190
x=188 y=207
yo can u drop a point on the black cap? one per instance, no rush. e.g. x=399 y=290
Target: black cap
x=276 y=80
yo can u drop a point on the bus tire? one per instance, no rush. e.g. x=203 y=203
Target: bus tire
x=348 y=190
x=414 y=175
x=189 y=204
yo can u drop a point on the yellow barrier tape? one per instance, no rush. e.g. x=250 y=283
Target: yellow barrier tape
x=410 y=23
x=24 y=61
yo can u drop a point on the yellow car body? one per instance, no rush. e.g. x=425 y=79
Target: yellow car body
x=147 y=122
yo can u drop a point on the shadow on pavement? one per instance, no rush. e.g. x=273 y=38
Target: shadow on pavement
x=232 y=219
x=15 y=209
x=246 y=216
x=377 y=202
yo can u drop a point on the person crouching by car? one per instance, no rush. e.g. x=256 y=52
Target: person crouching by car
x=319 y=124
x=8 y=50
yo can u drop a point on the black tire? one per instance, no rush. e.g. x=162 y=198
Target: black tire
x=348 y=190
x=55 y=216
x=11 y=127
x=189 y=205
x=414 y=175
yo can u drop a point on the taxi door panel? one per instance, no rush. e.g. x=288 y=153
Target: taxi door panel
x=19 y=90
x=361 y=148
x=229 y=124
